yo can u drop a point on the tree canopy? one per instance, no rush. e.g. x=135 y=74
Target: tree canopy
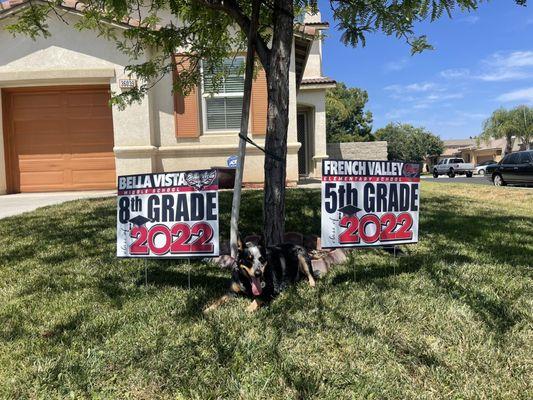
x=409 y=143
x=214 y=29
x=517 y=122
x=346 y=118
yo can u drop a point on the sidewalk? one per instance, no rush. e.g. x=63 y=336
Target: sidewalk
x=14 y=204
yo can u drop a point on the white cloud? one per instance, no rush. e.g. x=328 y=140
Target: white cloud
x=413 y=87
x=397 y=113
x=421 y=95
x=521 y=95
x=396 y=65
x=515 y=59
x=502 y=75
x=471 y=19
x=455 y=73
x=498 y=67
x=508 y=66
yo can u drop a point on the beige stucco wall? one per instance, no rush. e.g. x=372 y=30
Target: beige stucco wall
x=313 y=67
x=358 y=150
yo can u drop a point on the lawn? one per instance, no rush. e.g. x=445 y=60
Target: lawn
x=450 y=319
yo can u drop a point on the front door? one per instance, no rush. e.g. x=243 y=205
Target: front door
x=302 y=138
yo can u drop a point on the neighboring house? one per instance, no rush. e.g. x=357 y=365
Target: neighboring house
x=59 y=133
x=471 y=152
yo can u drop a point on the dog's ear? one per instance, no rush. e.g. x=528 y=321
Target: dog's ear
x=240 y=244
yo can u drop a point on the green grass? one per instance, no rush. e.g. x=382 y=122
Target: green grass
x=452 y=319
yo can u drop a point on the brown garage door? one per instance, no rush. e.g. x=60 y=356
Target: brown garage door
x=58 y=138
x=481 y=159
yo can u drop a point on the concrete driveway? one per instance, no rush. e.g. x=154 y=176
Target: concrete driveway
x=13 y=204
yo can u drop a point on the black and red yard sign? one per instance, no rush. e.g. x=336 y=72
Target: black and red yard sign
x=169 y=215
x=369 y=203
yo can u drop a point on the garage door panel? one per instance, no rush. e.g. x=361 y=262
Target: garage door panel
x=40 y=128
x=103 y=162
x=93 y=151
x=32 y=114
x=82 y=177
x=42 y=101
x=62 y=139
x=481 y=159
x=84 y=112
x=87 y=98
x=89 y=125
x=42 y=164
x=86 y=138
x=40 y=178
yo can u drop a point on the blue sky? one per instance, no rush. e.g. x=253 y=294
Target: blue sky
x=482 y=60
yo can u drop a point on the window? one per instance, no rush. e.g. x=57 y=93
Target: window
x=222 y=109
x=525 y=157
x=456 y=160
x=513 y=158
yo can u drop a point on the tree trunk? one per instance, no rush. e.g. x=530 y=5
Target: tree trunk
x=508 y=144
x=278 y=122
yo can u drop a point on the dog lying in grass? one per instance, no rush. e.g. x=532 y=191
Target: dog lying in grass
x=263 y=273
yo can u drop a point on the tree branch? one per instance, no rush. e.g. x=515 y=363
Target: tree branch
x=233 y=9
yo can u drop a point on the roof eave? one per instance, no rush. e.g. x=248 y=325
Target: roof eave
x=315 y=86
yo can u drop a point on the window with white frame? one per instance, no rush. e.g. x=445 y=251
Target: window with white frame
x=222 y=109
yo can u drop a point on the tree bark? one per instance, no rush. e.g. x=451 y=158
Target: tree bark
x=508 y=144
x=278 y=122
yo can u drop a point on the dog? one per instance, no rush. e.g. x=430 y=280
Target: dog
x=262 y=273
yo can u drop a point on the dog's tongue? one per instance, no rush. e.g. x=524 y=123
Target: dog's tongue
x=256 y=286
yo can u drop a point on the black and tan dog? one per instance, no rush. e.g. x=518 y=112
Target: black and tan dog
x=262 y=273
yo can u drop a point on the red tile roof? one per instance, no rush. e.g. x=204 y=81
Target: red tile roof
x=78 y=6
x=318 y=81
x=324 y=23
x=305 y=29
x=70 y=5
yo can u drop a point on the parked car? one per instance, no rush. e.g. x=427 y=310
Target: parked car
x=452 y=167
x=514 y=168
x=481 y=168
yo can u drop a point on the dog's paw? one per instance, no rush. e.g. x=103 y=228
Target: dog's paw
x=254 y=306
x=209 y=309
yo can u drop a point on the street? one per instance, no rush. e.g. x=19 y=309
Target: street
x=475 y=180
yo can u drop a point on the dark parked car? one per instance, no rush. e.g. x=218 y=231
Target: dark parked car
x=514 y=168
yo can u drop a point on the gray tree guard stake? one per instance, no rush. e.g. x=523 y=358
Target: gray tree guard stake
x=248 y=78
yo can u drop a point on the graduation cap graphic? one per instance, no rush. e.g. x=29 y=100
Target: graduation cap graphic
x=140 y=220
x=350 y=210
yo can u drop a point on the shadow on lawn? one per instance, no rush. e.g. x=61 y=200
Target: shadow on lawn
x=453 y=239
x=86 y=229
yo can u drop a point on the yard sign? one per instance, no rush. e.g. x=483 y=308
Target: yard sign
x=170 y=215
x=369 y=203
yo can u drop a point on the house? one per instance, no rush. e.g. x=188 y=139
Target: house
x=470 y=151
x=59 y=133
